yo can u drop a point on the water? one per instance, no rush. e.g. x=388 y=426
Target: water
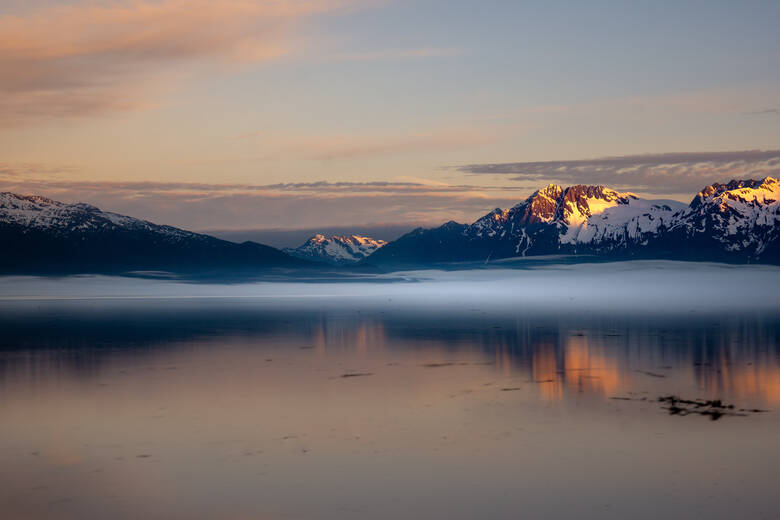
x=471 y=395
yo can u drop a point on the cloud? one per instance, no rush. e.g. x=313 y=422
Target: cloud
x=762 y=112
x=32 y=177
x=91 y=58
x=282 y=205
x=668 y=173
x=294 y=205
x=24 y=171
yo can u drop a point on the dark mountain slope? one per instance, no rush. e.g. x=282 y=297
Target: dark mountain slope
x=39 y=235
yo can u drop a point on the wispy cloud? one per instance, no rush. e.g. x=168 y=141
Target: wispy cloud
x=30 y=178
x=761 y=112
x=280 y=205
x=88 y=58
x=292 y=205
x=25 y=171
x=669 y=173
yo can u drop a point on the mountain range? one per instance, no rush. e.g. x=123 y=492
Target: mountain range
x=733 y=222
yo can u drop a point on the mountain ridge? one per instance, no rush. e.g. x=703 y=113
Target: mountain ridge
x=733 y=222
x=42 y=235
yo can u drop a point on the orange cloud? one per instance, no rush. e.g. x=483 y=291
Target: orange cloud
x=286 y=205
x=84 y=59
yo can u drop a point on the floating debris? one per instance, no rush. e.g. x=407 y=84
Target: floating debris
x=712 y=408
x=651 y=374
x=356 y=374
x=444 y=364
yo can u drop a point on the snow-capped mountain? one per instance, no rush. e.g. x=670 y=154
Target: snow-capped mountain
x=336 y=249
x=43 y=235
x=732 y=222
x=739 y=218
x=577 y=218
x=34 y=213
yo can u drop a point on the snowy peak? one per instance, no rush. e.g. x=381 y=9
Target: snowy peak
x=540 y=207
x=579 y=203
x=740 y=216
x=738 y=192
x=491 y=224
x=10 y=200
x=570 y=209
x=35 y=213
x=27 y=210
x=734 y=222
x=633 y=222
x=336 y=249
x=569 y=205
x=582 y=201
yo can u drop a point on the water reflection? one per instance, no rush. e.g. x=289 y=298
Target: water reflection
x=721 y=357
x=239 y=409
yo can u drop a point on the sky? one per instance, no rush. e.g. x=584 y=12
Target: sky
x=293 y=114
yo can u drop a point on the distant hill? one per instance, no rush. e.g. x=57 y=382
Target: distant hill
x=40 y=235
x=336 y=249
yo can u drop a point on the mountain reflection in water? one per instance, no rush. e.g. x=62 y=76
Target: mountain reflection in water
x=241 y=408
x=721 y=356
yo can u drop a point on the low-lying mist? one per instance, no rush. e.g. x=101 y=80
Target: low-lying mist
x=624 y=287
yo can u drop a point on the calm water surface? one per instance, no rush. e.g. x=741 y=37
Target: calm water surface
x=249 y=408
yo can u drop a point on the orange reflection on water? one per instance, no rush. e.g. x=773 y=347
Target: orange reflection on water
x=360 y=338
x=742 y=380
x=585 y=367
x=504 y=359
x=588 y=369
x=544 y=371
